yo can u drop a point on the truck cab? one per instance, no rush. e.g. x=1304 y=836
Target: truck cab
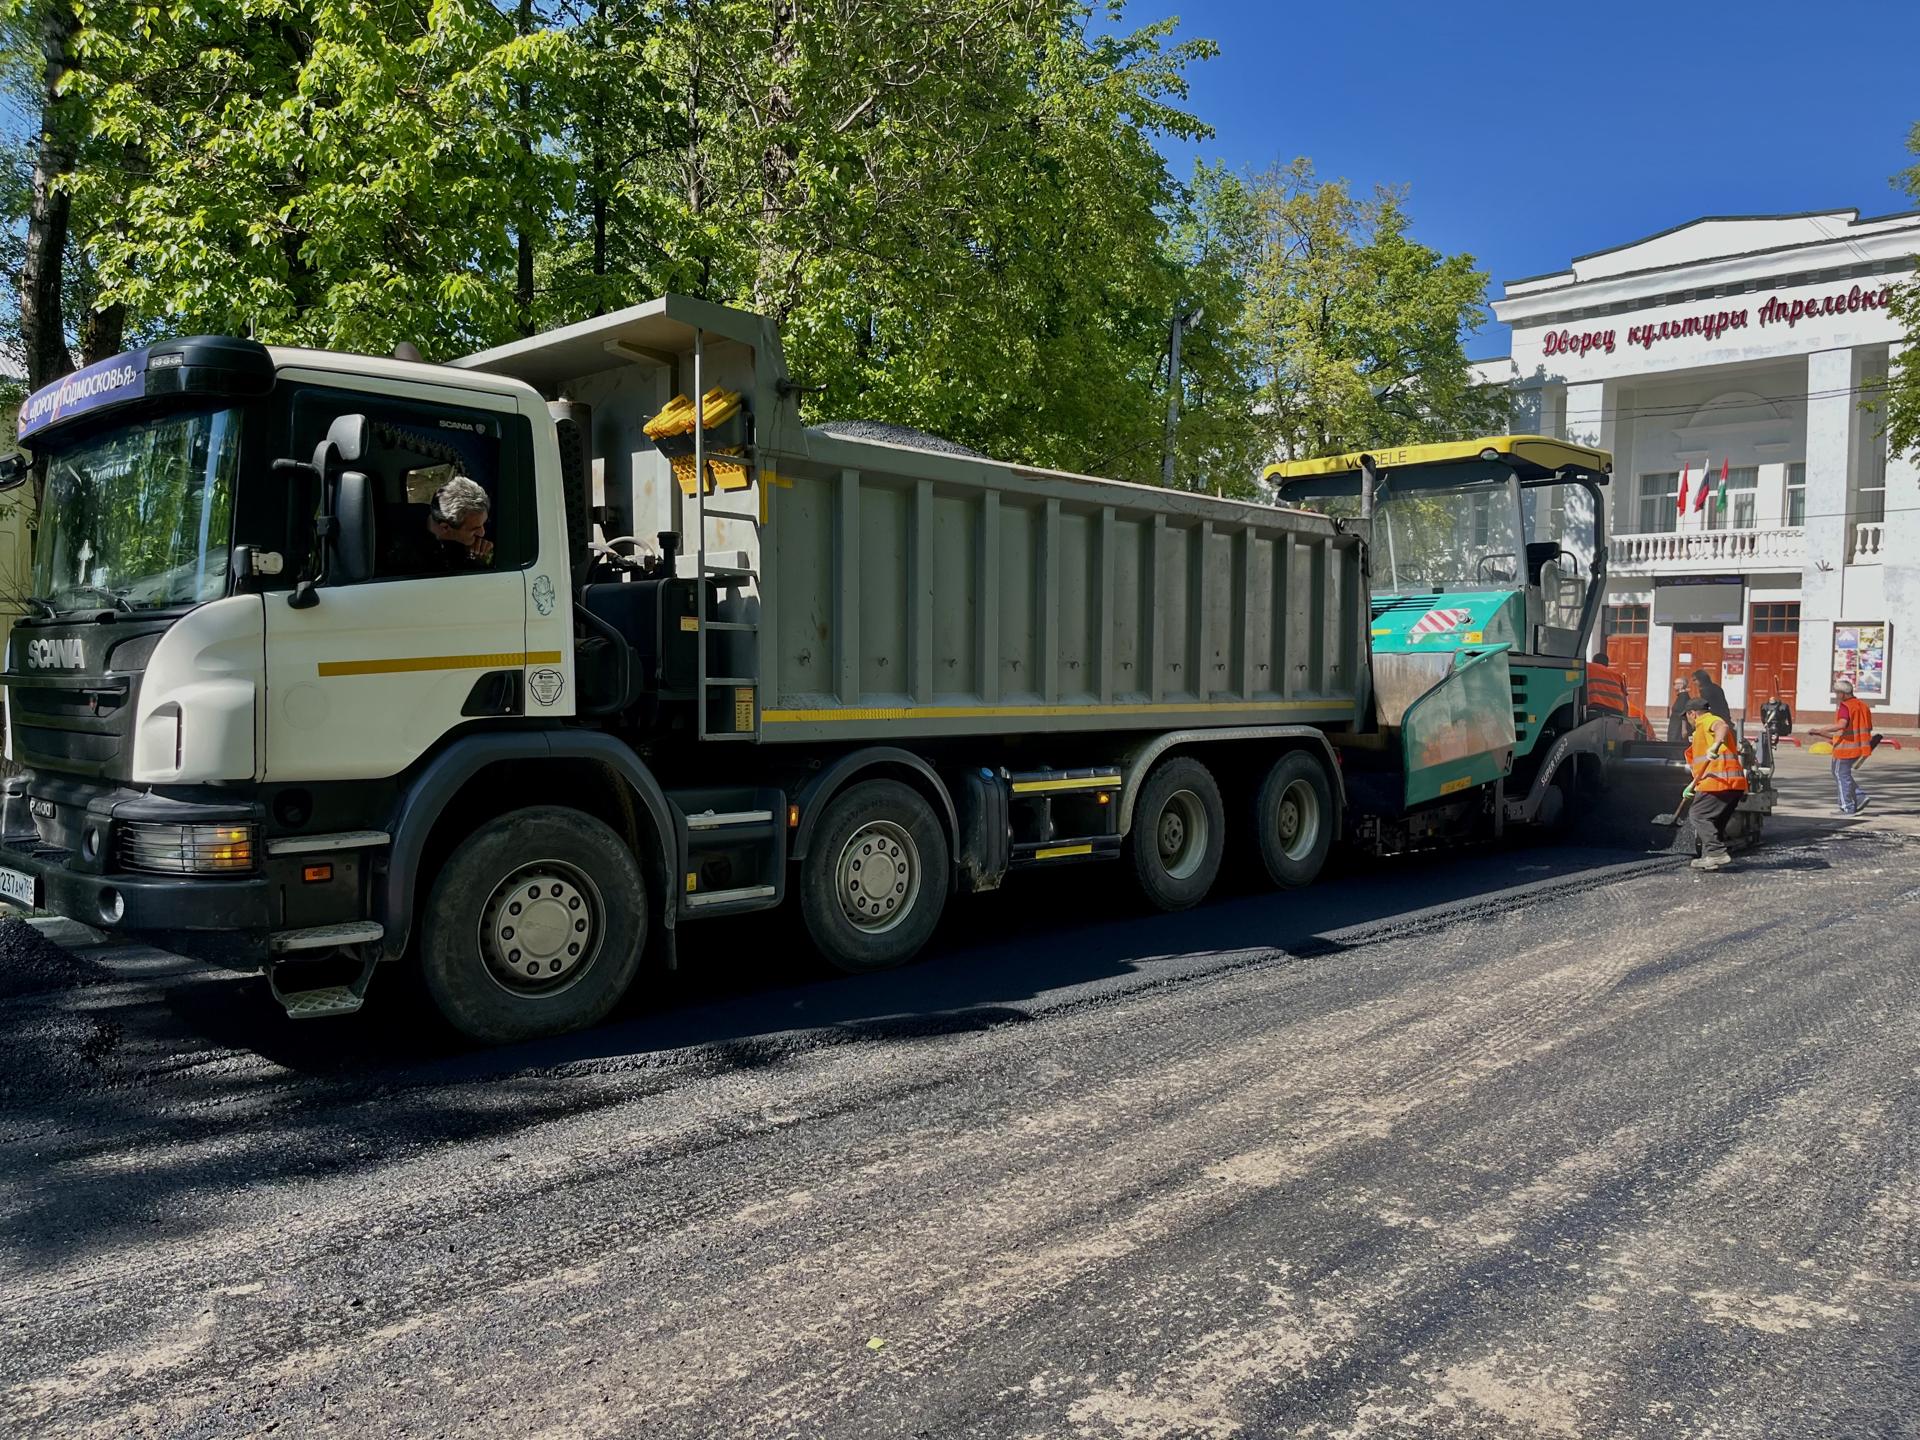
x=243 y=631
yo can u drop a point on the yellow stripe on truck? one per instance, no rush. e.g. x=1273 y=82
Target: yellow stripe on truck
x=412 y=664
x=1041 y=787
x=1014 y=712
x=1059 y=850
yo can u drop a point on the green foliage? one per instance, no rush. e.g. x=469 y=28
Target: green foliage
x=1355 y=327
x=1902 y=395
x=956 y=209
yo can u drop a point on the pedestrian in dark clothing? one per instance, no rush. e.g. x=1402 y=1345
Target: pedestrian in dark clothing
x=1777 y=716
x=1678 y=731
x=1709 y=690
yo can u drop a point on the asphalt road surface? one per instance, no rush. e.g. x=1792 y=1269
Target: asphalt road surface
x=1564 y=1142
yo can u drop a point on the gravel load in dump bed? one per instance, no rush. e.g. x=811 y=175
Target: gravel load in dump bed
x=895 y=435
x=31 y=964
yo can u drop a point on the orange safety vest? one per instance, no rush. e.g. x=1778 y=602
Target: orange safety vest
x=1853 y=739
x=1607 y=689
x=1715 y=771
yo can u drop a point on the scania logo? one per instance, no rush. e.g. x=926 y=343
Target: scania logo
x=56 y=654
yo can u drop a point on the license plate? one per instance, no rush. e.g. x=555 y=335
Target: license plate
x=20 y=888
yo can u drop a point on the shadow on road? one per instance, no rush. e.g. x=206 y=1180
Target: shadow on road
x=125 y=1101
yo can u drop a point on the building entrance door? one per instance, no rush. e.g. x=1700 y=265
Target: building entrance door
x=1629 y=656
x=1626 y=647
x=1695 y=649
x=1774 y=645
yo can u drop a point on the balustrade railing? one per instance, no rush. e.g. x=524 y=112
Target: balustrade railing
x=1709 y=549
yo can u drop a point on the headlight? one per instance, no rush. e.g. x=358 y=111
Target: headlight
x=185 y=849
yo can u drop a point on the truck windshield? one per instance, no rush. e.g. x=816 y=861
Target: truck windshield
x=1438 y=540
x=139 y=517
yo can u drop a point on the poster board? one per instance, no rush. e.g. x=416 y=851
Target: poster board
x=1860 y=655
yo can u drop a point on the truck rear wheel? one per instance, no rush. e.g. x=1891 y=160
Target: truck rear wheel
x=534 y=926
x=1293 y=818
x=1179 y=834
x=875 y=877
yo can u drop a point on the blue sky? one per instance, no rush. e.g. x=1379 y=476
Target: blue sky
x=1531 y=133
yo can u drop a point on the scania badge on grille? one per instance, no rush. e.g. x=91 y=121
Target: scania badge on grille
x=64 y=654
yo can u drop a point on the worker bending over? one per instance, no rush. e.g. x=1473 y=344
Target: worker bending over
x=1719 y=780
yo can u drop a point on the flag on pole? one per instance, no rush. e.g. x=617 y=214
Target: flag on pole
x=1680 y=504
x=1706 y=475
x=1723 y=487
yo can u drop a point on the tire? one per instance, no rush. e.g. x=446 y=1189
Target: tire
x=875 y=878
x=1557 y=804
x=1294 y=820
x=1178 y=835
x=495 y=991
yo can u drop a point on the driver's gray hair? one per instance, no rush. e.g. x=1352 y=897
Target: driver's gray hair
x=459 y=499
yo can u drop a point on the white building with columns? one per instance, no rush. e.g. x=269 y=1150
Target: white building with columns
x=1747 y=346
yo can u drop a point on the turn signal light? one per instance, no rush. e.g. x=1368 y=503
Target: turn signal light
x=317 y=874
x=185 y=849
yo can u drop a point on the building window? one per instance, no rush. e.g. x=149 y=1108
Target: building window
x=1870 y=508
x=1776 y=617
x=1659 y=499
x=1797 y=493
x=1626 y=619
x=1743 y=484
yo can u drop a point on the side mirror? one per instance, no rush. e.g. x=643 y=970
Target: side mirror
x=352 y=529
x=351 y=437
x=14 y=470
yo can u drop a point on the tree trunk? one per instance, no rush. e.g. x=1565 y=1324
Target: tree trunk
x=103 y=333
x=777 y=163
x=43 y=331
x=523 y=290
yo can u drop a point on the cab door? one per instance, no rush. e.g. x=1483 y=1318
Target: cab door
x=364 y=681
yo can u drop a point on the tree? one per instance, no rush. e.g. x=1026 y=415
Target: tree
x=331 y=172
x=1356 y=327
x=1903 y=379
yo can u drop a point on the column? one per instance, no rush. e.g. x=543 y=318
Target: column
x=1770 y=496
x=1587 y=419
x=1831 y=410
x=1900 y=555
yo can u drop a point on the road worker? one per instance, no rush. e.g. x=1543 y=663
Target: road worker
x=1851 y=735
x=1719 y=780
x=1608 y=690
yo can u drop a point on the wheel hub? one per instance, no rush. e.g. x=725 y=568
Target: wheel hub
x=541 y=928
x=1182 y=832
x=1298 y=820
x=878 y=875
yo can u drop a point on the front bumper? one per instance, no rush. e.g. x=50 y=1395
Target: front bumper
x=223 y=919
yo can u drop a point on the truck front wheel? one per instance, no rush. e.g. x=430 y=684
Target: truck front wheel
x=1179 y=834
x=875 y=876
x=534 y=926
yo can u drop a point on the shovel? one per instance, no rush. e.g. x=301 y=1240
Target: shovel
x=1672 y=819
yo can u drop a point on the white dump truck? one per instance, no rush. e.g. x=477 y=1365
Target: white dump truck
x=274 y=711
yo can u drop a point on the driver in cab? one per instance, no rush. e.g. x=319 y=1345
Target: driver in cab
x=454 y=537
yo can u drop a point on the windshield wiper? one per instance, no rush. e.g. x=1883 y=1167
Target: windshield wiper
x=47 y=610
x=118 y=597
